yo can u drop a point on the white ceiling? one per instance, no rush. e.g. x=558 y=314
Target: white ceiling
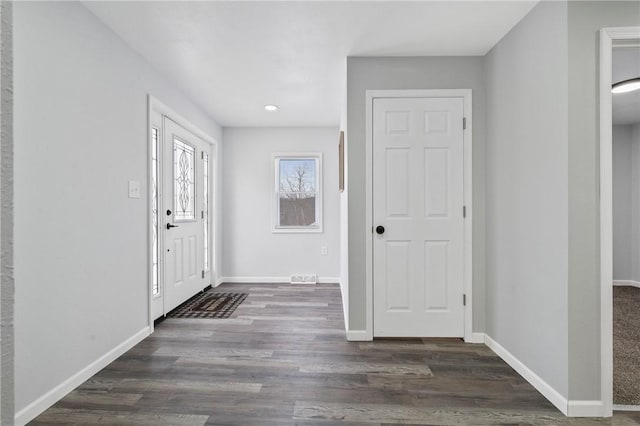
x=232 y=58
x=626 y=65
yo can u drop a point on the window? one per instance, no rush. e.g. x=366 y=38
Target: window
x=154 y=212
x=298 y=195
x=205 y=211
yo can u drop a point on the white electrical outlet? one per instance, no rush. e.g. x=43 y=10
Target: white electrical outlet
x=324 y=251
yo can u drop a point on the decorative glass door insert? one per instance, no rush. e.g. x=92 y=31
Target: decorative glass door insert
x=184 y=181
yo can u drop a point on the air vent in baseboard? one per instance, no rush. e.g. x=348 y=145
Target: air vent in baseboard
x=304 y=279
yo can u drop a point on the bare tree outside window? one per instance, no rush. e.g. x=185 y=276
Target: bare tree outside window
x=298 y=192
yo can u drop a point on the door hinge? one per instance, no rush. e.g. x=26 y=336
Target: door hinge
x=201 y=214
x=464 y=123
x=202 y=155
x=464 y=300
x=203 y=273
x=464 y=211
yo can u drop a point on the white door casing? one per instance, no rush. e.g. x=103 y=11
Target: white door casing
x=418 y=192
x=181 y=219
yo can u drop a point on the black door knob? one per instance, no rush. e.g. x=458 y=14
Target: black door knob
x=169 y=226
x=380 y=229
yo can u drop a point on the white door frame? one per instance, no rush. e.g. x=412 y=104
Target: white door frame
x=465 y=95
x=156 y=106
x=608 y=36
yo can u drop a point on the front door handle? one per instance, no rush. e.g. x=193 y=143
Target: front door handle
x=169 y=226
x=380 y=229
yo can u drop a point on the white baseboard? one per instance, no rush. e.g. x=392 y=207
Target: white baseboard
x=577 y=408
x=475 y=338
x=273 y=280
x=543 y=387
x=617 y=407
x=218 y=282
x=38 y=406
x=328 y=280
x=358 y=336
x=630 y=283
x=256 y=280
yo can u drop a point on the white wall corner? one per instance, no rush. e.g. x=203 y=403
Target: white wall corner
x=577 y=408
x=475 y=337
x=219 y=281
x=536 y=381
x=38 y=406
x=358 y=336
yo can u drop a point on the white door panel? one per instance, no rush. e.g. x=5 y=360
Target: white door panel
x=418 y=199
x=182 y=218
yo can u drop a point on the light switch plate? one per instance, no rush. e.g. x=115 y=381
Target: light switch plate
x=134 y=189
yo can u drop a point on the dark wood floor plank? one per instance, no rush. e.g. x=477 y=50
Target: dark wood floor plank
x=70 y=417
x=283 y=359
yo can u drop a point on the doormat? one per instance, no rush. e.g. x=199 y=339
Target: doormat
x=209 y=305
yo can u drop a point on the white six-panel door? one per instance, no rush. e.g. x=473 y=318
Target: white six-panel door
x=418 y=194
x=182 y=217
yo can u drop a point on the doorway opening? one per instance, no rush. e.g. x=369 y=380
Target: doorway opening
x=615 y=208
x=626 y=226
x=182 y=210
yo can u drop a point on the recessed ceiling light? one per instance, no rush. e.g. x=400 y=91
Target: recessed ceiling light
x=626 y=86
x=271 y=107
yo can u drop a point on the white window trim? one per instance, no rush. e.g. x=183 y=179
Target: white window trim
x=275 y=228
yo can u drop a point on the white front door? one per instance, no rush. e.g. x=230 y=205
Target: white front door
x=418 y=199
x=182 y=216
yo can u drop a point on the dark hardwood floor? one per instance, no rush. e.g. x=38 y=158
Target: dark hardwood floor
x=282 y=359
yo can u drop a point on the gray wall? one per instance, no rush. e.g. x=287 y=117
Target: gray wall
x=81 y=132
x=364 y=73
x=622 y=203
x=6 y=214
x=526 y=188
x=584 y=21
x=626 y=203
x=250 y=247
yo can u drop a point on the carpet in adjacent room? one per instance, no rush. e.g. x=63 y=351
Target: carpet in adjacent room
x=626 y=345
